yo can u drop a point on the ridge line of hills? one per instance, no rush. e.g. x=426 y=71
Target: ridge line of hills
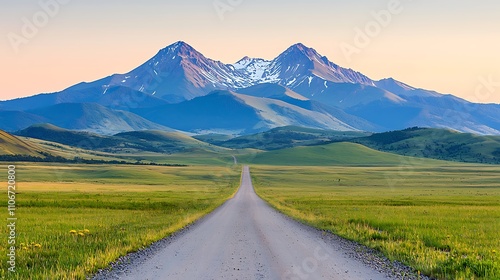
x=438 y=144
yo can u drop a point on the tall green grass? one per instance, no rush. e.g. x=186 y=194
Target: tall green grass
x=76 y=219
x=443 y=221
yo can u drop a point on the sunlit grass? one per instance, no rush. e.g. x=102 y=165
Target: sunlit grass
x=444 y=221
x=75 y=219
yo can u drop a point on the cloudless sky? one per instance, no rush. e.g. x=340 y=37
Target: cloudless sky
x=448 y=46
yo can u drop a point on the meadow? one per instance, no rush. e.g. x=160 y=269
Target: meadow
x=444 y=221
x=76 y=219
x=441 y=218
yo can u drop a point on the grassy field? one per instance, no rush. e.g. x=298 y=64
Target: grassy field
x=443 y=221
x=332 y=154
x=75 y=219
x=194 y=157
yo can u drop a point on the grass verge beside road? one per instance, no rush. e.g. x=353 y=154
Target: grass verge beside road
x=76 y=219
x=442 y=221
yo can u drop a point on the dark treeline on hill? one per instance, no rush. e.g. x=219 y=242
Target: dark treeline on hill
x=442 y=144
x=437 y=144
x=285 y=137
x=127 y=142
x=432 y=143
x=84 y=140
x=48 y=158
x=393 y=136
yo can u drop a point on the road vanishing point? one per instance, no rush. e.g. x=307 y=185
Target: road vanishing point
x=245 y=238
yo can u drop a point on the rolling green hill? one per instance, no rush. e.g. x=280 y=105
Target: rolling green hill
x=287 y=137
x=11 y=145
x=437 y=144
x=289 y=145
x=342 y=153
x=214 y=138
x=127 y=142
x=79 y=139
x=170 y=142
x=16 y=148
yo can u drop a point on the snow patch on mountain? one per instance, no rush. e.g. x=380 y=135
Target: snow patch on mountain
x=180 y=62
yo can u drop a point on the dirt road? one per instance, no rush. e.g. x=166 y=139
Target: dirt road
x=247 y=239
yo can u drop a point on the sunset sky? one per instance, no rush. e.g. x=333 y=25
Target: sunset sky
x=448 y=46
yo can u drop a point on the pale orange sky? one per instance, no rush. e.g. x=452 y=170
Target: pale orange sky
x=449 y=46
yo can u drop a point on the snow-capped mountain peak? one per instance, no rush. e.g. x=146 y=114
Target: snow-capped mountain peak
x=242 y=63
x=180 y=66
x=299 y=87
x=300 y=48
x=254 y=69
x=391 y=82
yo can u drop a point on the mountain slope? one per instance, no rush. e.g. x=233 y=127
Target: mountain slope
x=179 y=73
x=273 y=91
x=116 y=97
x=225 y=111
x=93 y=117
x=300 y=64
x=220 y=110
x=179 y=70
x=14 y=120
x=402 y=89
x=279 y=113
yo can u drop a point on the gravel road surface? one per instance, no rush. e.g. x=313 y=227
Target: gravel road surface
x=245 y=238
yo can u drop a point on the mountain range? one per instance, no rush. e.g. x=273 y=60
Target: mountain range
x=181 y=89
